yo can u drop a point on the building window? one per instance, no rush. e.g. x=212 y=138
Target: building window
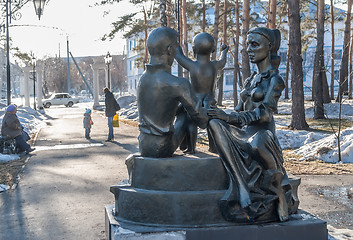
x=337 y=74
x=130 y=65
x=229 y=79
x=130 y=45
x=230 y=59
x=135 y=84
x=338 y=54
x=283 y=56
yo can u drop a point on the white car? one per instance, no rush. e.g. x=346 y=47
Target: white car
x=60 y=99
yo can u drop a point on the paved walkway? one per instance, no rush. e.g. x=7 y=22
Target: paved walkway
x=65 y=185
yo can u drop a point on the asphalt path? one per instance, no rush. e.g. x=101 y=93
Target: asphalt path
x=64 y=187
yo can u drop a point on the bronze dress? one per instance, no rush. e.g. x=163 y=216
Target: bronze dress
x=251 y=154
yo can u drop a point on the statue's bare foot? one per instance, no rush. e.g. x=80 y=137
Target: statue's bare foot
x=283 y=211
x=190 y=151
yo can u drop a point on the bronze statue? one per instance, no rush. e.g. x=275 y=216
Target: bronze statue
x=246 y=140
x=159 y=95
x=203 y=74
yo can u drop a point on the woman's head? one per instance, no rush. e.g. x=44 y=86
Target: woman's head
x=263 y=42
x=11 y=108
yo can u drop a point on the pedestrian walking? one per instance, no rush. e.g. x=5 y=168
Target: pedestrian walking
x=12 y=129
x=111 y=107
x=87 y=123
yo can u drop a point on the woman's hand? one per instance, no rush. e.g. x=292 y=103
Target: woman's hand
x=215 y=112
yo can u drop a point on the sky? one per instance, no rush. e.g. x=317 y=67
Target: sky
x=84 y=26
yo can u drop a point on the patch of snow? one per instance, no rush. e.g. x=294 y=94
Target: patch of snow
x=4 y=187
x=326 y=148
x=8 y=157
x=290 y=139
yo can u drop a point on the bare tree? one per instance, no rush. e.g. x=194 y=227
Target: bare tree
x=286 y=91
x=245 y=28
x=225 y=41
x=236 y=53
x=319 y=63
x=332 y=86
x=215 y=26
x=185 y=34
x=271 y=21
x=343 y=86
x=203 y=16
x=163 y=12
x=298 y=111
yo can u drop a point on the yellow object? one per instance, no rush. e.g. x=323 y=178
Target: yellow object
x=116 y=120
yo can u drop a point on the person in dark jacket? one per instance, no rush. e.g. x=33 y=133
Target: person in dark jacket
x=111 y=107
x=12 y=129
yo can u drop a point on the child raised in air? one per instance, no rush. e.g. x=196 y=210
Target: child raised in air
x=203 y=75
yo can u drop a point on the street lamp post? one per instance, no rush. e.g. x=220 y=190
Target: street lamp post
x=39 y=6
x=108 y=60
x=34 y=82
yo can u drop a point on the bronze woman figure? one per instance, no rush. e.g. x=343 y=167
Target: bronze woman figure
x=247 y=143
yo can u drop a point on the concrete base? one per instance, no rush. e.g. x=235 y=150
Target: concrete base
x=301 y=226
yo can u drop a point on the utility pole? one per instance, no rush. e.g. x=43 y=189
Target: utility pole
x=68 y=66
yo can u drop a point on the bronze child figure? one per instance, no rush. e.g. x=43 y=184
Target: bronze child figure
x=203 y=74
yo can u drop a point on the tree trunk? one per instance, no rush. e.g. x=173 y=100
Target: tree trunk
x=343 y=86
x=286 y=91
x=145 y=59
x=180 y=30
x=203 y=16
x=319 y=111
x=298 y=111
x=163 y=13
x=350 y=72
x=185 y=35
x=236 y=53
x=332 y=87
x=245 y=28
x=168 y=14
x=225 y=40
x=272 y=10
x=215 y=27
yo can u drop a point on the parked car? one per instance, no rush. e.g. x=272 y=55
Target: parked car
x=60 y=99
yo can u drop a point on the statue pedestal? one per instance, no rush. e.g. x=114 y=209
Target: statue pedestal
x=301 y=226
x=181 y=194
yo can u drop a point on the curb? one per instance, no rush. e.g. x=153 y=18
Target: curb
x=18 y=177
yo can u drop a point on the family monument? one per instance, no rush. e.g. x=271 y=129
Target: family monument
x=240 y=192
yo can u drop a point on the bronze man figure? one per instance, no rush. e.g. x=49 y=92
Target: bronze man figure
x=159 y=95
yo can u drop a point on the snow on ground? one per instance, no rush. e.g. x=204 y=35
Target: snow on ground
x=313 y=145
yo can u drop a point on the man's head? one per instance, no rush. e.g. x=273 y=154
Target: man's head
x=11 y=108
x=163 y=41
x=106 y=90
